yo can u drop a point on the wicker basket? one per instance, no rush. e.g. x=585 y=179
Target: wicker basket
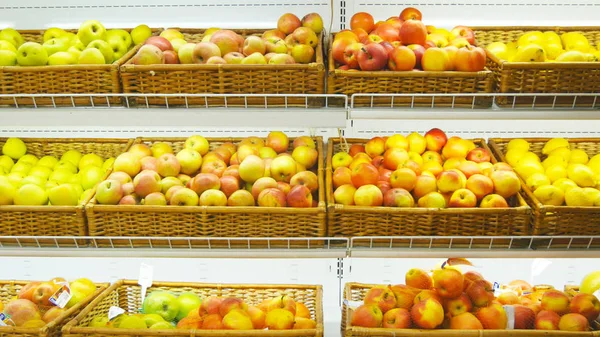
x=557 y=220
x=355 y=293
x=63 y=79
x=546 y=77
x=126 y=295
x=389 y=221
x=203 y=221
x=410 y=82
x=225 y=79
x=9 y=291
x=55 y=220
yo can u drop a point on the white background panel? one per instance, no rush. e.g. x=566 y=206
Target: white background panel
x=34 y=14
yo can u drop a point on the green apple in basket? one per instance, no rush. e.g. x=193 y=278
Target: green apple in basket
x=91 y=30
x=32 y=54
x=162 y=303
x=7 y=58
x=12 y=36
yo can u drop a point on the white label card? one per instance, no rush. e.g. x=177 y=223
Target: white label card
x=3 y=317
x=114 y=312
x=353 y=304
x=61 y=297
x=145 y=279
x=510 y=314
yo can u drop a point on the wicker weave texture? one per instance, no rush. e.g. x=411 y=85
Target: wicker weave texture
x=556 y=220
x=63 y=79
x=389 y=221
x=55 y=220
x=410 y=82
x=9 y=291
x=547 y=77
x=127 y=295
x=203 y=221
x=224 y=79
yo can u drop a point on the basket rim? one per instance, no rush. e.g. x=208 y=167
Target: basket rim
x=522 y=207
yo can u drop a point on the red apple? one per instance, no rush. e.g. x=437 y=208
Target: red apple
x=372 y=57
x=362 y=20
x=402 y=59
x=470 y=59
x=410 y=13
x=160 y=42
x=464 y=32
x=419 y=51
x=413 y=32
x=479 y=155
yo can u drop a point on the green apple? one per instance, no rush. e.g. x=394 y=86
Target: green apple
x=98 y=322
x=161 y=325
x=152 y=319
x=50 y=184
x=186 y=53
x=187 y=301
x=40 y=171
x=78 y=189
x=91 y=176
x=255 y=58
x=76 y=43
x=6 y=162
x=75 y=179
x=53 y=33
x=91 y=56
x=90 y=159
x=104 y=48
x=91 y=30
x=5 y=45
x=118 y=47
x=66 y=165
x=140 y=33
x=32 y=54
x=71 y=38
x=86 y=196
x=121 y=35
x=15 y=178
x=75 y=52
x=177 y=43
x=108 y=163
x=14 y=148
x=22 y=168
x=162 y=303
x=48 y=161
x=132 y=322
x=31 y=195
x=55 y=45
x=73 y=157
x=29 y=159
x=34 y=180
x=61 y=176
x=8 y=58
x=62 y=58
x=12 y=36
x=63 y=195
x=7 y=191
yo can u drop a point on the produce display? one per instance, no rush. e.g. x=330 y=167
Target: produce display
x=431 y=171
x=255 y=171
x=548 y=46
x=66 y=181
x=294 y=41
x=165 y=310
x=35 y=304
x=449 y=299
x=564 y=175
x=405 y=43
x=93 y=44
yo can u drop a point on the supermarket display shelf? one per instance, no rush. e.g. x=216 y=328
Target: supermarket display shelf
x=314 y=247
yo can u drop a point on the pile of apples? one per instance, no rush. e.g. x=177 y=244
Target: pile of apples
x=255 y=171
x=164 y=310
x=566 y=175
x=93 y=44
x=405 y=43
x=28 y=180
x=294 y=41
x=32 y=307
x=433 y=170
x=449 y=299
x=548 y=46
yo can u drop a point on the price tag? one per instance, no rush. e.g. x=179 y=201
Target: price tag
x=61 y=297
x=353 y=304
x=145 y=279
x=510 y=314
x=114 y=312
x=3 y=318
